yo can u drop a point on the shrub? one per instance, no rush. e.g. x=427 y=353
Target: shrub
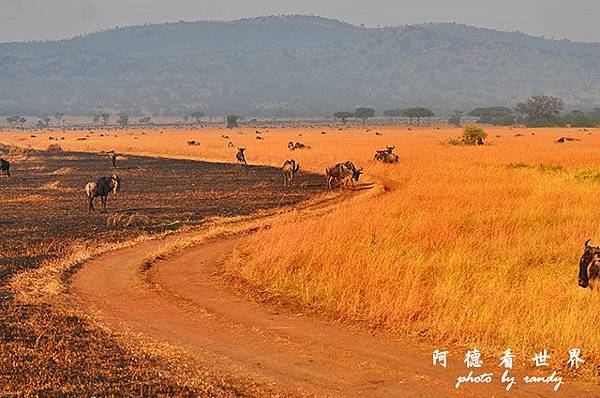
x=473 y=135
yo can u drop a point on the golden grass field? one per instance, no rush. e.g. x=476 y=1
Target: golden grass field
x=466 y=245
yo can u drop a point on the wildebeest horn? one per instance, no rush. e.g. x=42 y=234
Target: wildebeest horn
x=587 y=243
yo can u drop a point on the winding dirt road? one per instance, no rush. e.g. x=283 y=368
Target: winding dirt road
x=182 y=301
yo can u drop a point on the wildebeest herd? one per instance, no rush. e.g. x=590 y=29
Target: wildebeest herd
x=344 y=174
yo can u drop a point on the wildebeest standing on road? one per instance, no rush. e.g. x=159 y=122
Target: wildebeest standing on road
x=289 y=168
x=241 y=158
x=344 y=173
x=5 y=167
x=113 y=159
x=101 y=188
x=589 y=265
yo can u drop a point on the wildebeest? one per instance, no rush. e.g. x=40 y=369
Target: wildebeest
x=297 y=145
x=343 y=173
x=5 y=167
x=562 y=140
x=230 y=144
x=387 y=155
x=113 y=159
x=101 y=188
x=289 y=168
x=589 y=265
x=241 y=158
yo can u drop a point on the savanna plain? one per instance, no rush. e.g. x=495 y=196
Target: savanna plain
x=456 y=246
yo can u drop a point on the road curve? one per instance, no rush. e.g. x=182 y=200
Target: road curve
x=182 y=301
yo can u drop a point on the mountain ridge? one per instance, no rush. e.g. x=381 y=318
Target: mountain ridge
x=292 y=65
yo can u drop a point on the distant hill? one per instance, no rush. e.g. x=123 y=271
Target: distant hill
x=291 y=65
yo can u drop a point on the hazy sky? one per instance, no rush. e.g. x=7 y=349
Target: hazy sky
x=51 y=19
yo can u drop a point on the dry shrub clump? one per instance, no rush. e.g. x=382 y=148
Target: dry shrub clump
x=127 y=220
x=54 y=148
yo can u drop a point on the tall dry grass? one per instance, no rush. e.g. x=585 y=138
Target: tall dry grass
x=468 y=244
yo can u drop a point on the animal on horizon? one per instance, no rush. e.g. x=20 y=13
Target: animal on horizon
x=589 y=265
x=101 y=188
x=5 y=167
x=288 y=169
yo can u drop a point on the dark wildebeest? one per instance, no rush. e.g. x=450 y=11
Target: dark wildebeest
x=387 y=155
x=101 y=188
x=343 y=173
x=241 y=158
x=589 y=264
x=289 y=168
x=113 y=159
x=5 y=167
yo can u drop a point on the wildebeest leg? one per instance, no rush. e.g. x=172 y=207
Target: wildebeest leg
x=90 y=204
x=104 y=203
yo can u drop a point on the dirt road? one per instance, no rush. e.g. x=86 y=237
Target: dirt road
x=181 y=301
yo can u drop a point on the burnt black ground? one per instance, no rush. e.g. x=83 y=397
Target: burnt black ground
x=43 y=214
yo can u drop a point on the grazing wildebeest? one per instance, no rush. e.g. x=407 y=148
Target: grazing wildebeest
x=289 y=168
x=297 y=145
x=230 y=144
x=343 y=173
x=589 y=265
x=5 y=167
x=113 y=159
x=387 y=155
x=101 y=188
x=241 y=158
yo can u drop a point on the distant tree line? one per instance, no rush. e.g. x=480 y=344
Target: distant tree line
x=365 y=113
x=537 y=111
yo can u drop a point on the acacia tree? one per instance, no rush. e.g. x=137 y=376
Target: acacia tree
x=540 y=106
x=105 y=117
x=232 y=121
x=497 y=115
x=364 y=113
x=343 y=115
x=417 y=113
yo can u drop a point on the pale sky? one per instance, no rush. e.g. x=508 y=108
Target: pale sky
x=52 y=19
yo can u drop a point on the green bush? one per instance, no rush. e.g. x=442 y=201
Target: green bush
x=473 y=135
